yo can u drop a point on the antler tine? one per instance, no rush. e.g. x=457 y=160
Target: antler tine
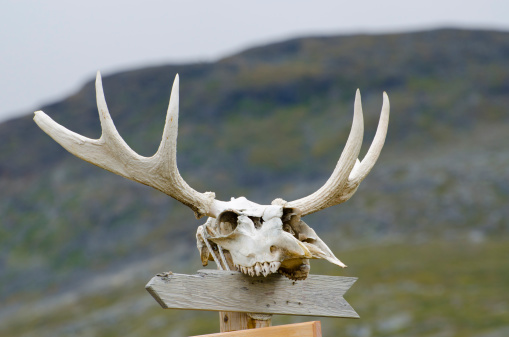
x=361 y=171
x=167 y=157
x=331 y=191
x=338 y=189
x=110 y=139
x=109 y=135
x=169 y=139
x=111 y=152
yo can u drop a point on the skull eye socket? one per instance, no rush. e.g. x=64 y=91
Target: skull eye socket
x=227 y=222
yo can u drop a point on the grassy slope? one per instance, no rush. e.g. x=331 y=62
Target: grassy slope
x=446 y=288
x=442 y=175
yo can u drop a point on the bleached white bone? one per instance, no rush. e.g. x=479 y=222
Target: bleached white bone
x=263 y=240
x=111 y=152
x=349 y=171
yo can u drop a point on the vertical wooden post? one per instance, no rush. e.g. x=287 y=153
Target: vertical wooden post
x=233 y=321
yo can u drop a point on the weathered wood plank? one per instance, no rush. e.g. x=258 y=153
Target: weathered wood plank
x=307 y=329
x=217 y=290
x=233 y=321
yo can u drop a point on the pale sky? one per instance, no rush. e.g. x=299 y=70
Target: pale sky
x=49 y=49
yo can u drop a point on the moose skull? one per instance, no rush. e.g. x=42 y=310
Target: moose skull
x=262 y=239
x=251 y=238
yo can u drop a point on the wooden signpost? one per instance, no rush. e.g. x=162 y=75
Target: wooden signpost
x=245 y=301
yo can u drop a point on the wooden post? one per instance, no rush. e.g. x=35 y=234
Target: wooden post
x=233 y=320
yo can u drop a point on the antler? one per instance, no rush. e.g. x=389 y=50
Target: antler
x=349 y=171
x=111 y=152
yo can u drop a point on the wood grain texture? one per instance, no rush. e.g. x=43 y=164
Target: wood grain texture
x=219 y=290
x=233 y=321
x=307 y=329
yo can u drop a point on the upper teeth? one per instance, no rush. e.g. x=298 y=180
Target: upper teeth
x=260 y=268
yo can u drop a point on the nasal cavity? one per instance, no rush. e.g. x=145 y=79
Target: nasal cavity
x=258 y=222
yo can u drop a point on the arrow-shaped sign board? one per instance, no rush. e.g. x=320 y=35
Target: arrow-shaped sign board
x=217 y=290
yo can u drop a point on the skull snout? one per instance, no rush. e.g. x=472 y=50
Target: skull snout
x=253 y=240
x=264 y=239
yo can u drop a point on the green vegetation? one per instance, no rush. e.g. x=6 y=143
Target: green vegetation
x=446 y=288
x=430 y=220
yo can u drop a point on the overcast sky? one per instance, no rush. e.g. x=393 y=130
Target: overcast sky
x=48 y=49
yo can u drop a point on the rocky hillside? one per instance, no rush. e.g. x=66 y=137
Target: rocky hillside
x=268 y=122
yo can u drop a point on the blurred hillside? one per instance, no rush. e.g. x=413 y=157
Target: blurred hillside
x=427 y=231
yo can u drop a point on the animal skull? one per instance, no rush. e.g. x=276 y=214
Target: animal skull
x=262 y=239
x=251 y=238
